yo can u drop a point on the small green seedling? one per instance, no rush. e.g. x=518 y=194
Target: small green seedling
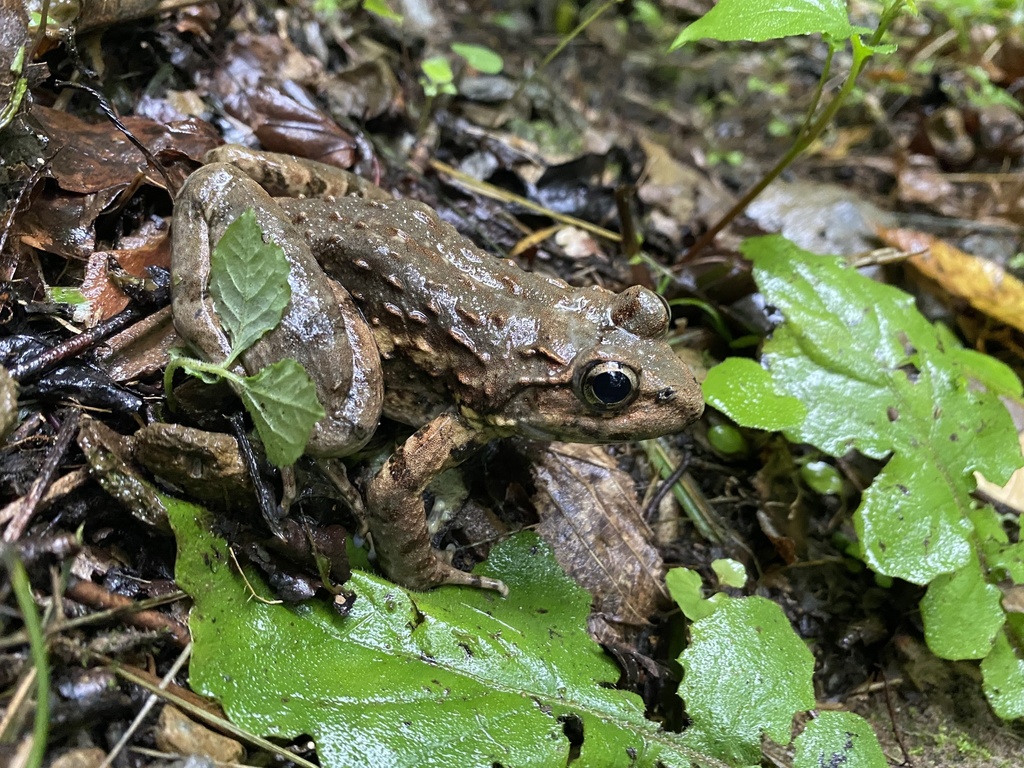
x=250 y=291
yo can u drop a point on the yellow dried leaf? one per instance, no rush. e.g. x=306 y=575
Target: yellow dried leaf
x=983 y=284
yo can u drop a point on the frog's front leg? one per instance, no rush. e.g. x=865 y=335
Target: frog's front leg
x=394 y=502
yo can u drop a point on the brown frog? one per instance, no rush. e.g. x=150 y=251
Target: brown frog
x=429 y=329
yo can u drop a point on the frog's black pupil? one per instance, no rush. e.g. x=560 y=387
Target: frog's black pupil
x=611 y=387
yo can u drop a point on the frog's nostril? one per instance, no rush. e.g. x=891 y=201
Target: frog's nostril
x=664 y=395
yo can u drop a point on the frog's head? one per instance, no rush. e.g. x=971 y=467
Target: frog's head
x=628 y=385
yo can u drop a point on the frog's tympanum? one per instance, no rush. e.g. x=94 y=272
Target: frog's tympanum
x=419 y=323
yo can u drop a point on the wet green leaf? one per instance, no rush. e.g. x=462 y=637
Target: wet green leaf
x=730 y=573
x=686 y=588
x=942 y=610
x=283 y=404
x=838 y=739
x=747 y=394
x=821 y=477
x=759 y=20
x=877 y=376
x=745 y=673
x=248 y=283
x=456 y=676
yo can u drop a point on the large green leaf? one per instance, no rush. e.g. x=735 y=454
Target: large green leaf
x=452 y=677
x=875 y=375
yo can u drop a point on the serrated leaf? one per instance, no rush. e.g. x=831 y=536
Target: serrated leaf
x=456 y=676
x=942 y=610
x=745 y=392
x=283 y=404
x=480 y=58
x=876 y=376
x=1003 y=673
x=838 y=739
x=760 y=20
x=248 y=282
x=746 y=673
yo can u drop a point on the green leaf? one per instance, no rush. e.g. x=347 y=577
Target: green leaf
x=821 y=477
x=381 y=8
x=456 y=676
x=248 y=283
x=62 y=295
x=730 y=573
x=760 y=20
x=747 y=394
x=745 y=673
x=875 y=376
x=838 y=739
x=480 y=58
x=283 y=404
x=437 y=70
x=685 y=587
x=1003 y=673
x=942 y=609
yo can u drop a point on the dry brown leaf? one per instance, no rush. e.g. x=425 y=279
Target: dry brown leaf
x=105 y=298
x=590 y=517
x=983 y=284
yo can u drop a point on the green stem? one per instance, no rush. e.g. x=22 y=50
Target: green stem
x=562 y=44
x=195 y=366
x=37 y=647
x=861 y=54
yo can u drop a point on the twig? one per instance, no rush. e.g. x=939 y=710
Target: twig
x=58 y=354
x=20 y=511
x=151 y=701
x=96 y=596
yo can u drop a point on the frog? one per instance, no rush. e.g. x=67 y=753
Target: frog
x=393 y=312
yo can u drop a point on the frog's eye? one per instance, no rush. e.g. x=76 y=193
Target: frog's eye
x=608 y=385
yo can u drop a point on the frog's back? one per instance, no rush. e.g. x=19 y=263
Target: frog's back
x=443 y=311
x=458 y=326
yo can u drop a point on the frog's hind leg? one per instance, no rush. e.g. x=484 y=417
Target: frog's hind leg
x=321 y=328
x=394 y=505
x=288 y=176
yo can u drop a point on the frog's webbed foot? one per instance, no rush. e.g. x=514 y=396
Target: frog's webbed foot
x=395 y=513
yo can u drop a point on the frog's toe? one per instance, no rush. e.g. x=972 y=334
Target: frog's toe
x=442 y=574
